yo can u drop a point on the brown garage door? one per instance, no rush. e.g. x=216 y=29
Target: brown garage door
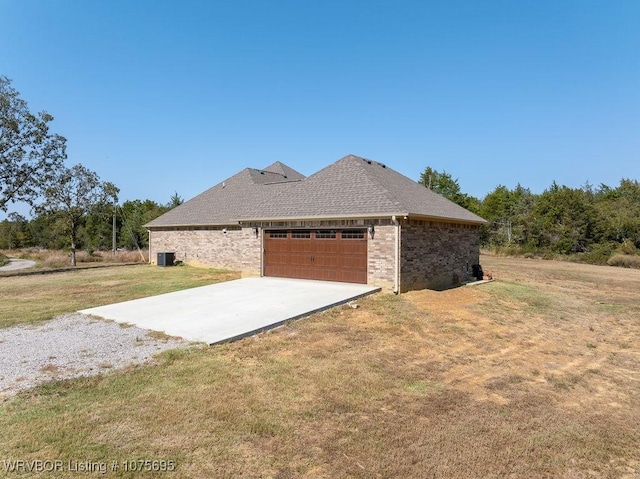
x=328 y=255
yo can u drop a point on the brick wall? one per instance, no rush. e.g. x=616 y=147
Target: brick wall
x=434 y=255
x=237 y=249
x=437 y=255
x=381 y=257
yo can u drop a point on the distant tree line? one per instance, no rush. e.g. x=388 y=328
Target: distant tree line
x=94 y=228
x=589 y=224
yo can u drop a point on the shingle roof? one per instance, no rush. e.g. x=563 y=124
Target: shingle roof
x=351 y=187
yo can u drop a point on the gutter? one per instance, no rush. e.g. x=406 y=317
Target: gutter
x=363 y=216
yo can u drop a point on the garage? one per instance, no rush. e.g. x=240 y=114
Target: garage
x=324 y=254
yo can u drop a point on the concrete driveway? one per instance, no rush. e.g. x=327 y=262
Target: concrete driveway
x=231 y=310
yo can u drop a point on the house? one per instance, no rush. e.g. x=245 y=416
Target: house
x=354 y=221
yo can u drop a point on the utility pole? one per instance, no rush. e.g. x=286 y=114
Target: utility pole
x=113 y=238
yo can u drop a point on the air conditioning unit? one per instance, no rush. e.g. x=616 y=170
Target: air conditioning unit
x=166 y=259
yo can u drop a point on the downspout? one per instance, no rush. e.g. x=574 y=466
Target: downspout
x=396 y=254
x=261 y=238
x=149 y=231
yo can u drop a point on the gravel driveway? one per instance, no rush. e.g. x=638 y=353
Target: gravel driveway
x=16 y=264
x=70 y=346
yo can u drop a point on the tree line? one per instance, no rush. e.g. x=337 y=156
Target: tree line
x=590 y=224
x=94 y=230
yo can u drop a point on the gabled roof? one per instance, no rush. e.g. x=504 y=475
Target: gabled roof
x=352 y=187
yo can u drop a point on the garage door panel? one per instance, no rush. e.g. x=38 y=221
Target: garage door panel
x=300 y=260
x=301 y=246
x=328 y=255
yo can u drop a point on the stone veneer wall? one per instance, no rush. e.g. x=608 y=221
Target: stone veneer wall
x=437 y=255
x=237 y=249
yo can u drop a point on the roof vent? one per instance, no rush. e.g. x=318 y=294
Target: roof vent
x=383 y=165
x=262 y=172
x=368 y=162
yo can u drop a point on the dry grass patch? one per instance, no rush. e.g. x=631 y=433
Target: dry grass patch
x=28 y=299
x=55 y=259
x=473 y=382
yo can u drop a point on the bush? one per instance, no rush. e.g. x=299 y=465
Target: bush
x=625 y=261
x=627 y=247
x=596 y=254
x=3 y=260
x=87 y=257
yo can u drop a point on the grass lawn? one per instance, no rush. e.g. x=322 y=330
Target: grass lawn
x=534 y=375
x=27 y=299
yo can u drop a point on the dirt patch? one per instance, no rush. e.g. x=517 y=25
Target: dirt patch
x=544 y=325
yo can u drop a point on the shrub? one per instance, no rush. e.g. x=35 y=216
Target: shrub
x=87 y=257
x=596 y=254
x=627 y=247
x=3 y=260
x=624 y=261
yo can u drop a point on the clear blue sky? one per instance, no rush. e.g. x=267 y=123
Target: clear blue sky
x=160 y=96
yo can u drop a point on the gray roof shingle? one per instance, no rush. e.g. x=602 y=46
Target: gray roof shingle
x=351 y=187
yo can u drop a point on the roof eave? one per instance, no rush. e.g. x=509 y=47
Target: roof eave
x=322 y=217
x=399 y=215
x=448 y=219
x=187 y=225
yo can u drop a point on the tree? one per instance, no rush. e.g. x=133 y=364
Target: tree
x=14 y=232
x=175 y=200
x=565 y=219
x=73 y=194
x=135 y=214
x=29 y=153
x=508 y=213
x=441 y=183
x=619 y=212
x=444 y=184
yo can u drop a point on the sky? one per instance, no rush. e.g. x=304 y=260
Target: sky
x=161 y=97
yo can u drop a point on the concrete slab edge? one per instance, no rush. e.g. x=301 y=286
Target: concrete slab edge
x=477 y=283
x=277 y=324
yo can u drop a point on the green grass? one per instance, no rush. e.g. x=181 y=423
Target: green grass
x=28 y=299
x=530 y=299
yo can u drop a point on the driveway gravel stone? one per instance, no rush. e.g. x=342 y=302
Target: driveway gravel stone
x=70 y=346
